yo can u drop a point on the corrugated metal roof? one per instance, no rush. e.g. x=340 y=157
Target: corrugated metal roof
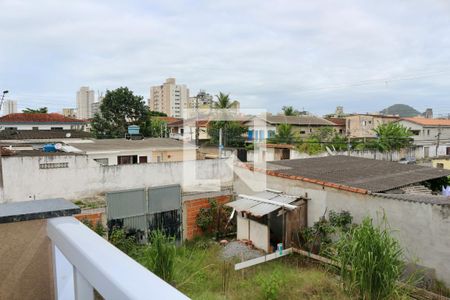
x=259 y=209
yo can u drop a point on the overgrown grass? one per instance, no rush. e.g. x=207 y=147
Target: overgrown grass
x=199 y=273
x=371 y=262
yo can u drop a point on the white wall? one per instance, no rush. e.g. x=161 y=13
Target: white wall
x=41 y=126
x=24 y=180
x=422 y=229
x=253 y=231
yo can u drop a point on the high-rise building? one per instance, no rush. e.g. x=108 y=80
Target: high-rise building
x=169 y=98
x=202 y=100
x=69 y=112
x=85 y=98
x=9 y=107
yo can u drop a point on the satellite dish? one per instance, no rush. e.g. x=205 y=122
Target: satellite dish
x=68 y=135
x=58 y=146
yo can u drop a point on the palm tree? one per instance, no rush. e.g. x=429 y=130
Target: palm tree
x=289 y=111
x=284 y=135
x=41 y=110
x=224 y=102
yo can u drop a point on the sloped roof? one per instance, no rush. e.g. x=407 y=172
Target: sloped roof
x=427 y=122
x=258 y=208
x=353 y=173
x=337 y=121
x=38 y=118
x=168 y=119
x=42 y=134
x=304 y=120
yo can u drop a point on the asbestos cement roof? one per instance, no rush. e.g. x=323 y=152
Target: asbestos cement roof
x=259 y=209
x=369 y=175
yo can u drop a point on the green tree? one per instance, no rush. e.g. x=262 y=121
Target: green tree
x=232 y=133
x=290 y=111
x=119 y=109
x=154 y=113
x=41 y=110
x=283 y=135
x=155 y=127
x=224 y=101
x=392 y=137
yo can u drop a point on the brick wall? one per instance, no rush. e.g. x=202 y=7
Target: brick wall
x=92 y=217
x=192 y=208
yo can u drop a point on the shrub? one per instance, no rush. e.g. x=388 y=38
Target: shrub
x=159 y=256
x=271 y=285
x=370 y=261
x=121 y=240
x=342 y=220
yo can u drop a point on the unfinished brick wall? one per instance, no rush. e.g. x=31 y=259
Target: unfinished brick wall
x=192 y=208
x=92 y=217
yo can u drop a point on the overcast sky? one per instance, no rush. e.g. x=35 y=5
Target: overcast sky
x=364 y=55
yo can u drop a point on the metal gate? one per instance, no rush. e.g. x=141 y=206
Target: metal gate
x=144 y=210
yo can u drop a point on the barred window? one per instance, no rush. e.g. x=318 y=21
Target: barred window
x=54 y=165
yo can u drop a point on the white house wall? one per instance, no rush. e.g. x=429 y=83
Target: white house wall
x=24 y=180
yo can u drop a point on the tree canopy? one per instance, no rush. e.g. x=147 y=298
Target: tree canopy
x=393 y=136
x=232 y=133
x=224 y=101
x=283 y=135
x=41 y=110
x=290 y=111
x=119 y=109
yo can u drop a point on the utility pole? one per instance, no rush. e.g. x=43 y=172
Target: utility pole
x=197 y=128
x=220 y=143
x=438 y=136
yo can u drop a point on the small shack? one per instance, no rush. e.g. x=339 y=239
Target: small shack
x=269 y=218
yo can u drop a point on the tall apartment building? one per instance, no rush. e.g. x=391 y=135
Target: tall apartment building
x=169 y=98
x=85 y=98
x=69 y=112
x=9 y=107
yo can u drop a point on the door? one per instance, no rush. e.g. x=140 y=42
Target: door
x=285 y=154
x=426 y=152
x=448 y=151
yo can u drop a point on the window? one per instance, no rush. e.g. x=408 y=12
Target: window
x=440 y=165
x=102 y=161
x=415 y=132
x=11 y=128
x=53 y=165
x=428 y=132
x=142 y=159
x=35 y=128
x=127 y=159
x=302 y=132
x=56 y=128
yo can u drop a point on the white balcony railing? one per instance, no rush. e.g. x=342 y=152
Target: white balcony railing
x=84 y=261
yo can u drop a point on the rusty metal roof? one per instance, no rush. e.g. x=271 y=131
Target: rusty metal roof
x=257 y=208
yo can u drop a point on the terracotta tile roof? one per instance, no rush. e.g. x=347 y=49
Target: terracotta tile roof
x=337 y=121
x=182 y=122
x=168 y=119
x=38 y=118
x=428 y=122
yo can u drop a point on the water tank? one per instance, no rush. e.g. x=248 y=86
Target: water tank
x=49 y=148
x=133 y=129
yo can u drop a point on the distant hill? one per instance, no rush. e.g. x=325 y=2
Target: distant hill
x=402 y=110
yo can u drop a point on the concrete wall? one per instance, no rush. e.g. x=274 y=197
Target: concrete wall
x=422 y=229
x=253 y=231
x=26 y=265
x=24 y=180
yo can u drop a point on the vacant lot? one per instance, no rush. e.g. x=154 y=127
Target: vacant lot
x=201 y=273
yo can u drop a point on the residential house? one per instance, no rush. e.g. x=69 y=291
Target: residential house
x=340 y=124
x=122 y=151
x=431 y=136
x=261 y=128
x=363 y=125
x=186 y=129
x=441 y=162
x=40 y=121
x=381 y=190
